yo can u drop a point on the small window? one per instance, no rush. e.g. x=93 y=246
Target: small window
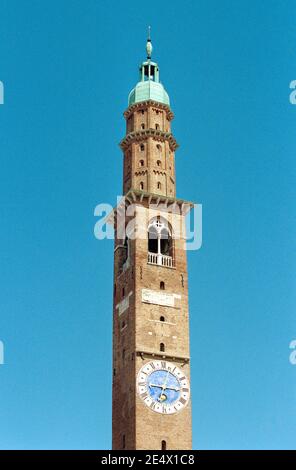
x=142 y=147
x=114 y=289
x=162 y=285
x=162 y=347
x=158 y=185
x=123 y=354
x=123 y=292
x=114 y=372
x=123 y=441
x=141 y=162
x=158 y=163
x=142 y=126
x=156 y=126
x=123 y=325
x=163 y=445
x=141 y=185
x=162 y=319
x=142 y=111
x=158 y=146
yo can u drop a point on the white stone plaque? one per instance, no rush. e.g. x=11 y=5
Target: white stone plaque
x=124 y=304
x=159 y=298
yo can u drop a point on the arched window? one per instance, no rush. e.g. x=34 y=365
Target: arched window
x=142 y=147
x=158 y=185
x=158 y=162
x=165 y=242
x=141 y=185
x=153 y=239
x=162 y=285
x=142 y=126
x=163 y=445
x=162 y=319
x=162 y=347
x=160 y=242
x=158 y=146
x=141 y=162
x=156 y=126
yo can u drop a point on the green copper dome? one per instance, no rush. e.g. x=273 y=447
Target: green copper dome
x=149 y=86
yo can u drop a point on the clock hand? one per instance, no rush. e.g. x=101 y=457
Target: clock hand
x=167 y=388
x=165 y=380
x=173 y=388
x=155 y=385
x=162 y=395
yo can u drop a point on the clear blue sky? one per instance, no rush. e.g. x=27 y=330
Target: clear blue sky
x=67 y=68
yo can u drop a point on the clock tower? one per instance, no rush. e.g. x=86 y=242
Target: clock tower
x=151 y=407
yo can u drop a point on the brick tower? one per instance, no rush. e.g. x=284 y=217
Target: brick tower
x=151 y=384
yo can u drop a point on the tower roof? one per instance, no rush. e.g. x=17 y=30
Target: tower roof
x=149 y=86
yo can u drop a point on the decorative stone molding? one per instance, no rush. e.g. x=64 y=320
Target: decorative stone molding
x=139 y=136
x=145 y=104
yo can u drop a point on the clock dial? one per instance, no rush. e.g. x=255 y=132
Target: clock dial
x=163 y=387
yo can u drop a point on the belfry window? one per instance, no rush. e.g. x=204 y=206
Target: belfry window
x=160 y=243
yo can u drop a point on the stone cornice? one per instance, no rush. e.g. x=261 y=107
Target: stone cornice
x=138 y=136
x=145 y=104
x=135 y=196
x=160 y=355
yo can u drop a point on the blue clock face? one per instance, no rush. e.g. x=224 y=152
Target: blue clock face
x=163 y=387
